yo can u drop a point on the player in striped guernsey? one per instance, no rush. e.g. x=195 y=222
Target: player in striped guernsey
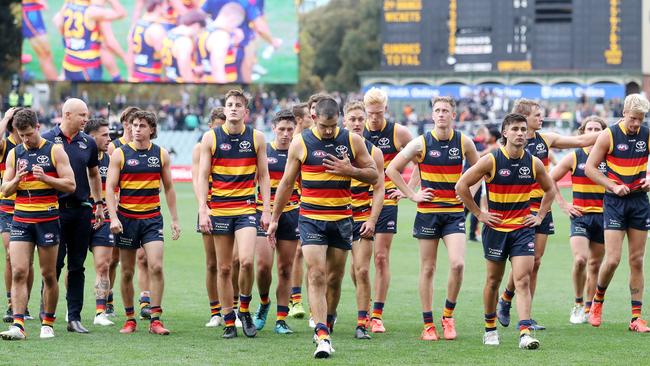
x=508 y=233
x=7 y=209
x=327 y=159
x=439 y=155
x=35 y=32
x=101 y=242
x=367 y=202
x=390 y=138
x=145 y=43
x=36 y=170
x=138 y=168
x=178 y=48
x=305 y=114
x=217 y=118
x=586 y=213
x=624 y=147
x=539 y=145
x=79 y=23
x=287 y=236
x=234 y=155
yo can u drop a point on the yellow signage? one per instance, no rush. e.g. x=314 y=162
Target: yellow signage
x=402 y=54
x=514 y=66
x=614 y=54
x=402 y=11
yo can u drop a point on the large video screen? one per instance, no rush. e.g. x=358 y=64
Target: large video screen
x=161 y=41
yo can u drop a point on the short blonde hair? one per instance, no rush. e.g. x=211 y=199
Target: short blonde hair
x=636 y=103
x=354 y=105
x=375 y=96
x=524 y=106
x=444 y=99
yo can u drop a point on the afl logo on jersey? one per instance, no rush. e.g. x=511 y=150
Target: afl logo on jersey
x=504 y=172
x=225 y=147
x=622 y=147
x=23 y=163
x=272 y=160
x=132 y=162
x=434 y=153
x=384 y=141
x=319 y=154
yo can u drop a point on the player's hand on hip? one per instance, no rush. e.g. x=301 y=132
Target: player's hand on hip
x=367 y=229
x=489 y=218
x=620 y=190
x=423 y=195
x=533 y=220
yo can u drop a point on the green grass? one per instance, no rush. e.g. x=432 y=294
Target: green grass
x=281 y=16
x=186 y=310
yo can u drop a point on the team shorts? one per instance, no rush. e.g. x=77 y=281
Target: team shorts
x=102 y=236
x=337 y=234
x=387 y=221
x=287 y=226
x=438 y=225
x=43 y=234
x=547 y=227
x=87 y=74
x=138 y=232
x=227 y=225
x=499 y=246
x=631 y=211
x=33 y=24
x=5 y=222
x=589 y=226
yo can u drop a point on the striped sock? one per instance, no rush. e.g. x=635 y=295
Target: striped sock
x=579 y=300
x=130 y=314
x=296 y=295
x=48 y=320
x=362 y=317
x=109 y=300
x=215 y=308
x=244 y=303
x=282 y=312
x=235 y=302
x=599 y=297
x=507 y=295
x=636 y=309
x=19 y=321
x=427 y=317
x=377 y=310
x=524 y=327
x=264 y=299
x=145 y=300
x=229 y=319
x=330 y=322
x=587 y=307
x=449 y=309
x=156 y=312
x=490 y=322
x=100 y=306
x=322 y=332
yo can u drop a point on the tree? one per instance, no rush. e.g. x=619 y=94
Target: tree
x=10 y=38
x=336 y=42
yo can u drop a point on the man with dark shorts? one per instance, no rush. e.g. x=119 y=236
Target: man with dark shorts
x=138 y=168
x=101 y=241
x=626 y=210
x=510 y=173
x=36 y=170
x=327 y=158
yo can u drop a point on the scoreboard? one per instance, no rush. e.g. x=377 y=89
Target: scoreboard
x=510 y=35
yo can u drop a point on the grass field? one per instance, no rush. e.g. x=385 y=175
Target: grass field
x=281 y=15
x=186 y=310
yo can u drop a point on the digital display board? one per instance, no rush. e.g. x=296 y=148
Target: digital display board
x=510 y=35
x=168 y=41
